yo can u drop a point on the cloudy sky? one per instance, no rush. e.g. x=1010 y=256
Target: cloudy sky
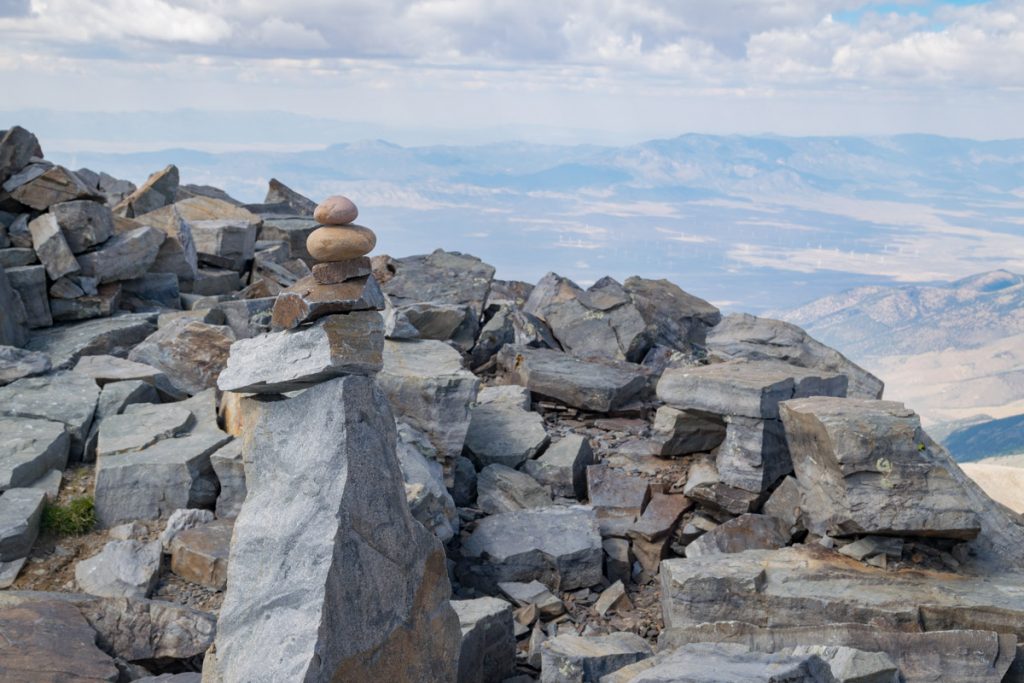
x=639 y=68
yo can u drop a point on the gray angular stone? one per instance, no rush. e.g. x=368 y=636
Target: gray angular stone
x=435 y=321
x=364 y=594
x=30 y=172
x=20 y=512
x=141 y=426
x=279 y=193
x=247 y=318
x=121 y=569
x=429 y=390
x=754 y=454
x=307 y=301
x=30 y=283
x=191 y=354
x=154 y=482
x=48 y=640
x=85 y=223
x=429 y=502
x=17 y=363
x=558 y=546
x=200 y=554
x=104 y=370
x=13 y=318
x=488 y=651
x=293 y=231
x=563 y=466
x=682 y=432
x=503 y=489
x=114 y=398
x=51 y=247
x=575 y=659
x=463 y=488
x=275 y=362
x=62 y=397
x=745 y=389
x=159 y=190
x=785 y=504
x=178 y=252
x=106 y=301
x=30 y=448
x=596 y=386
x=747 y=336
x=533 y=593
x=126 y=256
x=675 y=318
x=230 y=239
x=339 y=271
x=866 y=467
x=721 y=663
x=116 y=336
x=215 y=281
x=153 y=289
x=19 y=234
x=16 y=257
x=503 y=433
x=182 y=520
x=56 y=184
x=17 y=148
x=746 y=532
x=704 y=485
x=230 y=470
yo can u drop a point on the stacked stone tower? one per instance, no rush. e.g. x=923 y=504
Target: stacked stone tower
x=330 y=578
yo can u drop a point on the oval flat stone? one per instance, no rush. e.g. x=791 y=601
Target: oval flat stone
x=335 y=210
x=340 y=243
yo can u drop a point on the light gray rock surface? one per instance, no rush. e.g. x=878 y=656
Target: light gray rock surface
x=29 y=448
x=343 y=580
x=719 y=663
x=114 y=399
x=746 y=389
x=576 y=659
x=866 y=467
x=20 y=512
x=502 y=432
x=503 y=489
x=276 y=362
x=62 y=397
x=124 y=256
x=563 y=466
x=596 y=386
x=141 y=426
x=429 y=502
x=558 y=546
x=121 y=569
x=116 y=336
x=747 y=336
x=488 y=652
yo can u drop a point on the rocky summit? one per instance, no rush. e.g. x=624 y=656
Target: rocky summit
x=236 y=446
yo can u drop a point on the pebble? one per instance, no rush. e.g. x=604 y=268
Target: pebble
x=335 y=210
x=340 y=243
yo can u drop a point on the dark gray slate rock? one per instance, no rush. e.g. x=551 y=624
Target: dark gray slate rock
x=56 y=184
x=563 y=466
x=746 y=532
x=121 y=569
x=153 y=290
x=159 y=190
x=364 y=594
x=141 y=426
x=293 y=231
x=16 y=257
x=13 y=318
x=20 y=512
x=230 y=470
x=682 y=433
x=463 y=487
x=504 y=433
x=232 y=241
x=191 y=354
x=754 y=455
x=704 y=485
x=430 y=391
x=591 y=385
x=106 y=301
x=558 y=546
x=16 y=363
x=30 y=284
x=571 y=658
x=276 y=362
x=429 y=502
x=503 y=489
x=63 y=397
x=752 y=338
x=29 y=448
x=154 y=482
x=676 y=319
x=718 y=663
x=52 y=248
x=85 y=223
x=866 y=467
x=488 y=652
x=125 y=256
x=785 y=504
x=746 y=389
x=279 y=193
x=116 y=336
x=17 y=148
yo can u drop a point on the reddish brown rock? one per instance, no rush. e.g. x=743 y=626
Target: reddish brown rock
x=307 y=300
x=200 y=554
x=336 y=210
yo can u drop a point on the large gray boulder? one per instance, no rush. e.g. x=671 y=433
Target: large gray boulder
x=124 y=256
x=63 y=397
x=571 y=658
x=866 y=467
x=230 y=470
x=20 y=513
x=85 y=223
x=326 y=561
x=503 y=432
x=191 y=354
x=558 y=546
x=13 y=317
x=17 y=147
x=598 y=386
x=488 y=652
x=749 y=337
x=277 y=362
x=51 y=247
x=122 y=569
x=29 y=448
x=429 y=390
x=563 y=466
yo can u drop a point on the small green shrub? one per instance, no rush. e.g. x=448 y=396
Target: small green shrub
x=75 y=518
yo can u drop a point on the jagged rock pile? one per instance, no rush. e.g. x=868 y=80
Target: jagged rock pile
x=628 y=486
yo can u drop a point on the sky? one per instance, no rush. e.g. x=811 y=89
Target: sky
x=631 y=69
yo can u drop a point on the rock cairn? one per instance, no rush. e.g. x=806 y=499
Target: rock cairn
x=326 y=563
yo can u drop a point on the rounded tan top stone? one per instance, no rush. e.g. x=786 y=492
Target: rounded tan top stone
x=340 y=243
x=336 y=210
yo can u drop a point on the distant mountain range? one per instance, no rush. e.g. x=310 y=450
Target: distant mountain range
x=751 y=223
x=988 y=439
